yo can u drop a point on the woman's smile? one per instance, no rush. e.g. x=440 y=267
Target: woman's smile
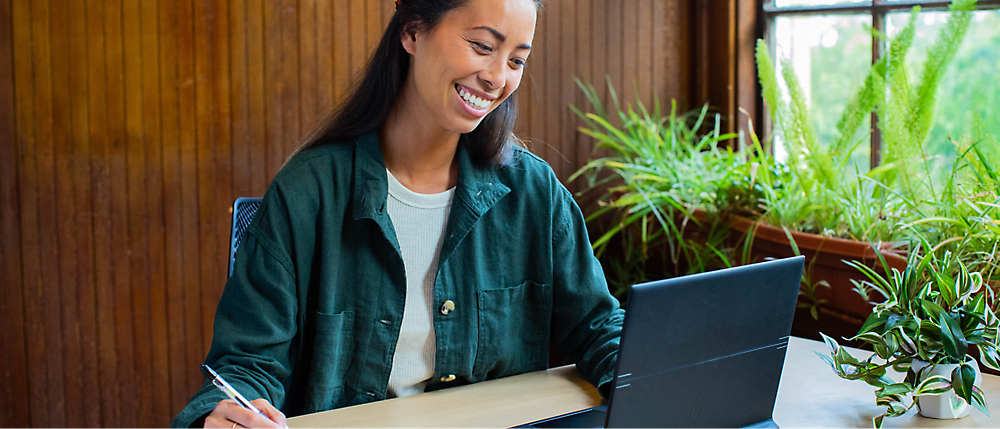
x=475 y=102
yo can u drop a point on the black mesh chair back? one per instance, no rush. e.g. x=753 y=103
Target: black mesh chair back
x=243 y=211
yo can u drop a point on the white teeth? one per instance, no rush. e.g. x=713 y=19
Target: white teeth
x=478 y=103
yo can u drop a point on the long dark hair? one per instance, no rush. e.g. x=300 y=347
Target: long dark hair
x=371 y=99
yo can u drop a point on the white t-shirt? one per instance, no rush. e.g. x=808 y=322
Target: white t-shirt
x=419 y=221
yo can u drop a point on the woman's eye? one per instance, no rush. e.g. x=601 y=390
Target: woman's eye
x=482 y=47
x=518 y=63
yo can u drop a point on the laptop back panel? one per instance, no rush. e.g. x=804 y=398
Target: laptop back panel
x=705 y=350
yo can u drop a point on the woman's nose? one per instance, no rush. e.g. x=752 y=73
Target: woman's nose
x=493 y=75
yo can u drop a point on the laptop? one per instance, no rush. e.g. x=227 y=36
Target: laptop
x=703 y=350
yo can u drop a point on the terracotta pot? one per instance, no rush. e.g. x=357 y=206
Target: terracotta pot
x=825 y=258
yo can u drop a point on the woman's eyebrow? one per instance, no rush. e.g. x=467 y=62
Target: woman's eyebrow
x=500 y=36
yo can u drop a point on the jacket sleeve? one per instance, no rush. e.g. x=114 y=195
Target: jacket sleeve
x=255 y=321
x=587 y=320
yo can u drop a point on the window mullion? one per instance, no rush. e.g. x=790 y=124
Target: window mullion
x=878 y=52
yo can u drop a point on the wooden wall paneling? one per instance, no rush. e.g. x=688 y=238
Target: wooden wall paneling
x=289 y=69
x=172 y=203
x=373 y=28
x=600 y=49
x=221 y=122
x=565 y=143
x=630 y=53
x=82 y=210
x=239 y=99
x=137 y=251
x=357 y=39
x=273 y=86
x=341 y=49
x=155 y=223
x=324 y=60
x=63 y=227
x=46 y=213
x=257 y=112
x=14 y=375
x=190 y=228
x=341 y=71
x=117 y=174
x=681 y=43
x=204 y=164
x=644 y=44
x=584 y=72
x=550 y=92
x=615 y=58
x=100 y=194
x=658 y=51
x=308 y=65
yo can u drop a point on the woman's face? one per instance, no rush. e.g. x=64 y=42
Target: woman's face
x=470 y=62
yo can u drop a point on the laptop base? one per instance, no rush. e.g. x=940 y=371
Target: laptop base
x=585 y=418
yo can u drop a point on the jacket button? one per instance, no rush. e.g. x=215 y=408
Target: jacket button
x=447 y=307
x=449 y=377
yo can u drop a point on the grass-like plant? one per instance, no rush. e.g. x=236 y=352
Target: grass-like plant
x=933 y=311
x=663 y=167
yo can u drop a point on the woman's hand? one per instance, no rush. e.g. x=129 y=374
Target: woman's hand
x=230 y=414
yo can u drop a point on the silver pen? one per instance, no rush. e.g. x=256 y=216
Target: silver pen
x=224 y=386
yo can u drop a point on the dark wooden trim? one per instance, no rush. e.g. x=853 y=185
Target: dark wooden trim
x=877 y=6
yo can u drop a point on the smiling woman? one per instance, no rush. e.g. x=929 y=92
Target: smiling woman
x=381 y=262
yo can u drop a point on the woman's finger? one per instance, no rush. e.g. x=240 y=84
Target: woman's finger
x=276 y=416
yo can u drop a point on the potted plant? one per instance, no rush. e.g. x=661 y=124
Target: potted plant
x=660 y=170
x=934 y=311
x=833 y=205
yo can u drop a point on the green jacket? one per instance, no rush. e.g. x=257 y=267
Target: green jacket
x=310 y=317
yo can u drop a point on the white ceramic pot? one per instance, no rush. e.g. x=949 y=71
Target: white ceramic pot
x=947 y=405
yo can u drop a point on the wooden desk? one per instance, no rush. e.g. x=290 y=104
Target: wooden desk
x=810 y=395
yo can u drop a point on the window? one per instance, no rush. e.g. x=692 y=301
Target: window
x=831 y=47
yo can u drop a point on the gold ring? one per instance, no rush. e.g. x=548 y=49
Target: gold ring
x=234 y=425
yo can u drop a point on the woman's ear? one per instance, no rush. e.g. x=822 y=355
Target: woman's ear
x=409 y=38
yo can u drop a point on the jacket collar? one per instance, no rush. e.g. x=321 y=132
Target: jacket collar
x=478 y=189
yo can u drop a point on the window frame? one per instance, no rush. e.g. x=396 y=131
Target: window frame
x=878 y=9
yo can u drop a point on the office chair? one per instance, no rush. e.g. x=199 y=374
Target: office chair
x=243 y=211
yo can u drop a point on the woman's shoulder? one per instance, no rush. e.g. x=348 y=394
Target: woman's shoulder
x=523 y=164
x=320 y=156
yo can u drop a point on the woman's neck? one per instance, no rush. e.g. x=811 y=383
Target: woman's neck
x=420 y=154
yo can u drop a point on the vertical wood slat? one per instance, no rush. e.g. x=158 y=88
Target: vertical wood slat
x=139 y=121
x=13 y=379
x=46 y=212
x=155 y=221
x=221 y=148
x=83 y=211
x=170 y=150
x=117 y=174
x=189 y=205
x=66 y=238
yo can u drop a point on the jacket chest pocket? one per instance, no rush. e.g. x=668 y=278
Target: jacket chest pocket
x=513 y=330
x=327 y=366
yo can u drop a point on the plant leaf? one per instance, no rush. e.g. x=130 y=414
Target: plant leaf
x=962 y=378
x=934 y=385
x=952 y=338
x=979 y=401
